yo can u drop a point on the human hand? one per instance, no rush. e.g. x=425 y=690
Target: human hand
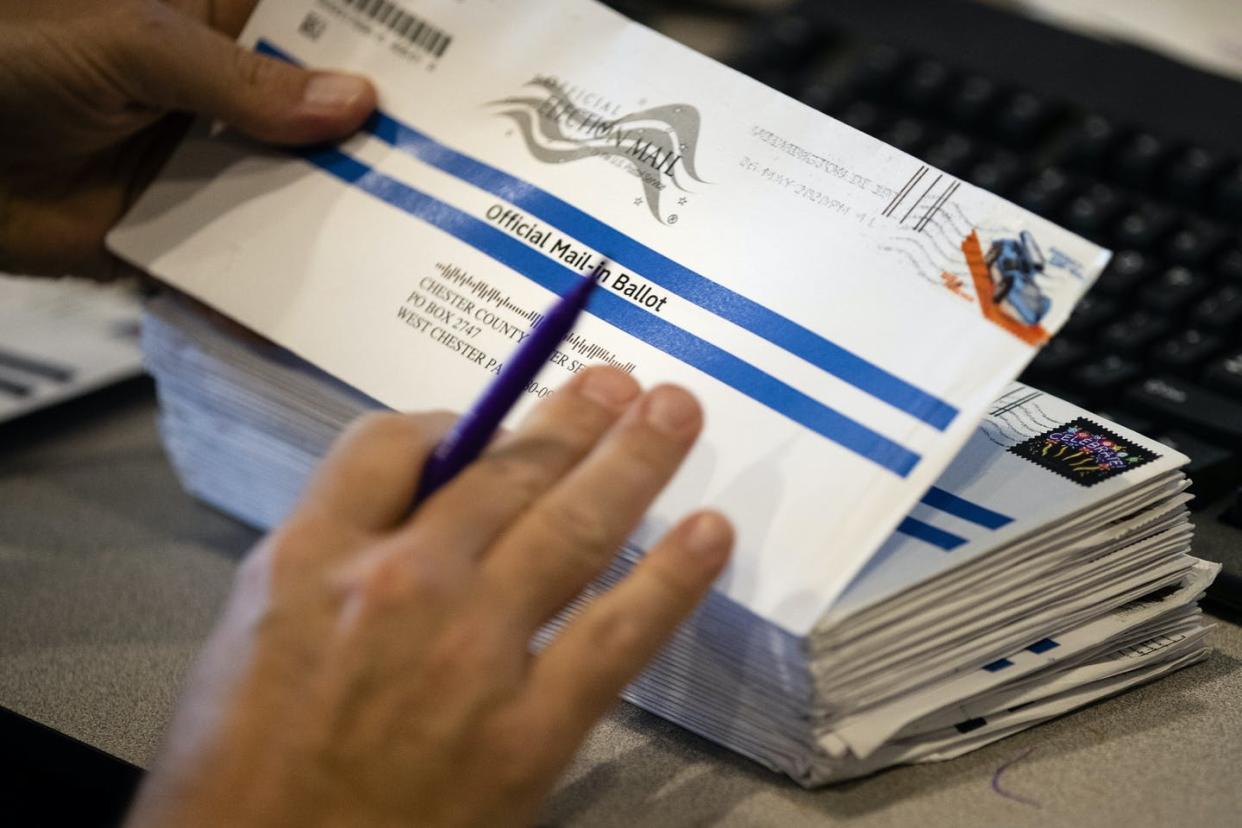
x=86 y=88
x=372 y=667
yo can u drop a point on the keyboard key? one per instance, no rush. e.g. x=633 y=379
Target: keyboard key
x=1091 y=313
x=1134 y=332
x=1136 y=160
x=1083 y=216
x=1222 y=309
x=1021 y=119
x=1089 y=212
x=1173 y=289
x=1212 y=469
x=1046 y=191
x=1186 y=351
x=1181 y=404
x=971 y=103
x=1126 y=271
x=1225 y=375
x=865 y=117
x=1193 y=243
x=1188 y=175
x=1089 y=144
x=781 y=47
x=1134 y=422
x=1229 y=261
x=926 y=83
x=1102 y=376
x=1106 y=196
x=954 y=153
x=877 y=70
x=998 y=172
x=1142 y=227
x=1056 y=359
x=1227 y=194
x=909 y=135
x=827 y=96
x=793 y=36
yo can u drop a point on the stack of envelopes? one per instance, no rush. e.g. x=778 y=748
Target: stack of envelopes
x=1033 y=578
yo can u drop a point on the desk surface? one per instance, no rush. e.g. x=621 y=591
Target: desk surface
x=110 y=577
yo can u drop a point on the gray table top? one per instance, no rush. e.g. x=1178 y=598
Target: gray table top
x=110 y=577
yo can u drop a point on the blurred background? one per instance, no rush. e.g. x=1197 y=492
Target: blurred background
x=1119 y=120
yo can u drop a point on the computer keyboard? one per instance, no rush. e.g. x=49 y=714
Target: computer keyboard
x=1133 y=151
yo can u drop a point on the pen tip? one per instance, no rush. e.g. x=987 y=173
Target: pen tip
x=583 y=289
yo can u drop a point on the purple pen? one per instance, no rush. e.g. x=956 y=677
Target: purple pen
x=476 y=427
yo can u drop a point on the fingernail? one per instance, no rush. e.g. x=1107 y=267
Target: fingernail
x=671 y=410
x=709 y=536
x=610 y=388
x=329 y=91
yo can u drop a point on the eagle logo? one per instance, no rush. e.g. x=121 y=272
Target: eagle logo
x=657 y=145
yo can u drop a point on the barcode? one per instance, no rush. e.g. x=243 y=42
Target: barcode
x=404 y=25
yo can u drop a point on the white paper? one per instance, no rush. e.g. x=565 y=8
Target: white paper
x=63 y=338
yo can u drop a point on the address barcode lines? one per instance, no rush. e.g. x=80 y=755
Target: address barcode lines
x=406 y=26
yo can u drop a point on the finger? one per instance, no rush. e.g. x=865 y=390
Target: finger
x=568 y=536
x=229 y=16
x=602 y=650
x=53 y=219
x=174 y=62
x=472 y=511
x=368 y=478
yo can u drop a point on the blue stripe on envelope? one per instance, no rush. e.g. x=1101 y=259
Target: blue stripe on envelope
x=655 y=267
x=930 y=534
x=610 y=307
x=946 y=501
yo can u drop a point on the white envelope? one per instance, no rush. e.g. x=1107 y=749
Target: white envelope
x=844 y=313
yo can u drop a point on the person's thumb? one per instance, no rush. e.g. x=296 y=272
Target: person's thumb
x=178 y=63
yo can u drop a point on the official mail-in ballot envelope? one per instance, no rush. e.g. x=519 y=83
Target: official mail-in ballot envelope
x=843 y=311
